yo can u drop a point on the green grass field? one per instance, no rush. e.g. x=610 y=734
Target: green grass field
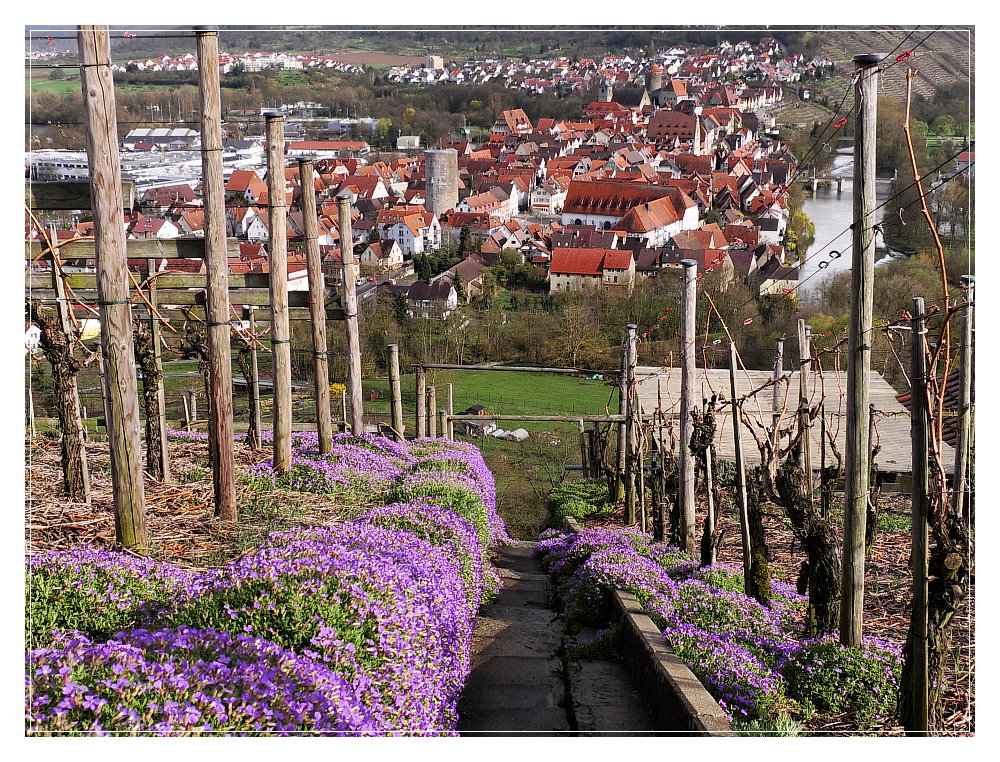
x=505 y=393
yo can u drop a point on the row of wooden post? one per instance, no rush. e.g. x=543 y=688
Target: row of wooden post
x=118 y=360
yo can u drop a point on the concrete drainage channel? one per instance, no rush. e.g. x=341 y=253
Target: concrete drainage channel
x=524 y=682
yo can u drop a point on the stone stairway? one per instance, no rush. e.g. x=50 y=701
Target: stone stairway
x=520 y=683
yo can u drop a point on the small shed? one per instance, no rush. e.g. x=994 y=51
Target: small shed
x=478 y=429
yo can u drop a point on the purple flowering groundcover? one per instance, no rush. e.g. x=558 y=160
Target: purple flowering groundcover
x=362 y=628
x=748 y=656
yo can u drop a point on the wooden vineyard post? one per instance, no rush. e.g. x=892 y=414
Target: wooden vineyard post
x=253 y=433
x=396 y=393
x=349 y=302
x=191 y=408
x=443 y=423
x=920 y=704
x=858 y=448
x=160 y=447
x=710 y=519
x=451 y=411
x=685 y=457
x=431 y=408
x=220 y=363
x=961 y=500
x=741 y=477
x=343 y=409
x=420 y=379
x=630 y=432
x=113 y=296
x=622 y=427
x=776 y=404
x=317 y=307
x=584 y=460
x=805 y=452
x=281 y=349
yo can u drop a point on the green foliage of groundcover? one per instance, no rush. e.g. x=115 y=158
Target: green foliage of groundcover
x=580 y=500
x=825 y=676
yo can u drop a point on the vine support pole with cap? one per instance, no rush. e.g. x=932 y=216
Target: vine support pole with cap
x=350 y=304
x=685 y=456
x=317 y=307
x=220 y=364
x=858 y=448
x=124 y=440
x=281 y=348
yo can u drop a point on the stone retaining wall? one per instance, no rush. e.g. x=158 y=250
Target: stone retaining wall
x=675 y=698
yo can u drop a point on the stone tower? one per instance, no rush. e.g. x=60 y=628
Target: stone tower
x=606 y=91
x=655 y=78
x=441 y=175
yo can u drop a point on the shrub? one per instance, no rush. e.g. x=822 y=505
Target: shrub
x=742 y=684
x=98 y=592
x=445 y=529
x=579 y=500
x=825 y=676
x=185 y=681
x=385 y=609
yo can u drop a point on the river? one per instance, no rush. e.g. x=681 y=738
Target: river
x=831 y=213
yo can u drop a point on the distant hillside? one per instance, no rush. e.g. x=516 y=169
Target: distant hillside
x=945 y=60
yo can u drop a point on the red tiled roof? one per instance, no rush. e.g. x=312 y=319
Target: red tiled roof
x=570 y=261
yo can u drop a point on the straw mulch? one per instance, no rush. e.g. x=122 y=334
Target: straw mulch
x=179 y=516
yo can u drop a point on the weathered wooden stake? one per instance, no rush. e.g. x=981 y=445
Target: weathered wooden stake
x=192 y=408
x=741 y=477
x=920 y=705
x=343 y=410
x=443 y=423
x=960 y=499
x=396 y=393
x=451 y=411
x=858 y=448
x=281 y=348
x=622 y=427
x=253 y=436
x=805 y=451
x=420 y=379
x=685 y=457
x=220 y=362
x=349 y=302
x=776 y=402
x=630 y=433
x=156 y=338
x=317 y=306
x=584 y=460
x=124 y=439
x=431 y=407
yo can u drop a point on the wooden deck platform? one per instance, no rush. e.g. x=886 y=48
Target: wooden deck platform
x=893 y=432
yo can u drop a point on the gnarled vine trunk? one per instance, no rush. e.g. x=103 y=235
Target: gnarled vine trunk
x=821 y=572
x=58 y=349
x=152 y=375
x=760 y=556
